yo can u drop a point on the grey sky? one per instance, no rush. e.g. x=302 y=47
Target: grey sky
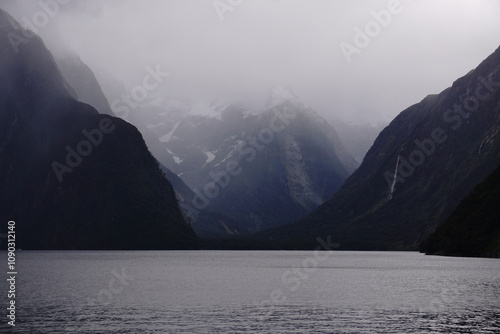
x=422 y=50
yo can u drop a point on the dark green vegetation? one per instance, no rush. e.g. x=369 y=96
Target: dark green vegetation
x=116 y=197
x=473 y=229
x=465 y=150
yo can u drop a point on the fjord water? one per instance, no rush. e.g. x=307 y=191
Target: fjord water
x=253 y=292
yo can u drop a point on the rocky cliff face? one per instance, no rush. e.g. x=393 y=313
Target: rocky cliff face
x=261 y=169
x=70 y=177
x=418 y=170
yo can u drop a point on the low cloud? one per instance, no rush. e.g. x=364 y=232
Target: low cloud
x=259 y=42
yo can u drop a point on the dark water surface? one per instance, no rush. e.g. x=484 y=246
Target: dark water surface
x=252 y=292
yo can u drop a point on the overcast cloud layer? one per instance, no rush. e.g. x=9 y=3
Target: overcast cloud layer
x=424 y=48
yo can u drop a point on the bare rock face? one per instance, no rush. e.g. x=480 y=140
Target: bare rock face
x=418 y=170
x=260 y=168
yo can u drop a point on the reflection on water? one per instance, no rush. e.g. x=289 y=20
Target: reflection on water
x=224 y=292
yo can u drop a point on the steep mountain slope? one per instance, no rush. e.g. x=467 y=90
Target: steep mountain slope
x=259 y=168
x=440 y=149
x=87 y=89
x=84 y=82
x=205 y=223
x=473 y=228
x=69 y=177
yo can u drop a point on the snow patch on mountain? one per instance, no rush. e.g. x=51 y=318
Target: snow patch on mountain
x=165 y=138
x=153 y=126
x=210 y=156
x=208 y=109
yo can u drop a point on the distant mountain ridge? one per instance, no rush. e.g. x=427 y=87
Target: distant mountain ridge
x=358 y=138
x=260 y=168
x=193 y=139
x=418 y=170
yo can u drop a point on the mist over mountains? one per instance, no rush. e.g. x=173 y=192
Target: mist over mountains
x=416 y=173
x=262 y=42
x=74 y=178
x=261 y=168
x=152 y=159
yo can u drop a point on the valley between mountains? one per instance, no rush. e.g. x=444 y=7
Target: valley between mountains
x=82 y=168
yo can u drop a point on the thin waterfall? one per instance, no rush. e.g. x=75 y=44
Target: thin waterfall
x=393 y=186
